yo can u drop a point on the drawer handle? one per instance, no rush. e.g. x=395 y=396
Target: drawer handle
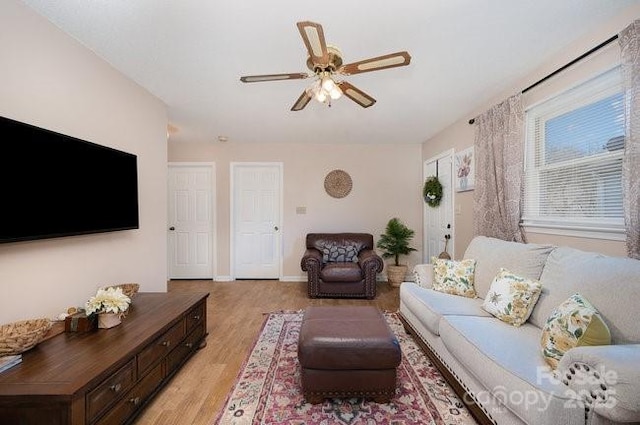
x=165 y=343
x=115 y=388
x=196 y=317
x=135 y=401
x=189 y=344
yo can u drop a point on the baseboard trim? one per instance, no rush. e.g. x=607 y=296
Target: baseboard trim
x=302 y=278
x=223 y=279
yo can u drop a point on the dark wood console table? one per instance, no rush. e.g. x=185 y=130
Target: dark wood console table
x=107 y=376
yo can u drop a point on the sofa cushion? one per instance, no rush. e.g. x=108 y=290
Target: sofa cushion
x=511 y=298
x=507 y=361
x=526 y=260
x=611 y=284
x=430 y=305
x=573 y=323
x=454 y=277
x=341 y=272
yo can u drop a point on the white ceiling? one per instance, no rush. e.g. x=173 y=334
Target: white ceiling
x=191 y=53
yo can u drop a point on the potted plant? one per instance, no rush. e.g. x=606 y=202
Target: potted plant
x=394 y=242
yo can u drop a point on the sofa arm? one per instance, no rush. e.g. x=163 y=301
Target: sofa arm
x=367 y=258
x=423 y=275
x=606 y=378
x=310 y=258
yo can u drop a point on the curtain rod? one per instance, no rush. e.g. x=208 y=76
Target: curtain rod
x=562 y=68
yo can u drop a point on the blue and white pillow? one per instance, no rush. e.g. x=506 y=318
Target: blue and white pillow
x=332 y=252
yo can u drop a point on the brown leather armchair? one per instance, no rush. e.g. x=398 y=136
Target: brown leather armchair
x=341 y=265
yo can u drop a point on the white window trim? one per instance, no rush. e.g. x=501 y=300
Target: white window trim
x=605 y=229
x=593 y=231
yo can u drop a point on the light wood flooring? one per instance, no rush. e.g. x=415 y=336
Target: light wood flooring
x=235 y=313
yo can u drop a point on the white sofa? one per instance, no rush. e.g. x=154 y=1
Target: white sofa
x=501 y=368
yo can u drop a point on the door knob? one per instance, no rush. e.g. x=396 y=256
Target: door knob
x=172 y=228
x=275 y=228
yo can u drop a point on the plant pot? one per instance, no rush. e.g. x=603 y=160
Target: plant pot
x=108 y=320
x=396 y=274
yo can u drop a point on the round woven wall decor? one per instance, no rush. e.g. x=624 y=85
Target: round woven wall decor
x=338 y=183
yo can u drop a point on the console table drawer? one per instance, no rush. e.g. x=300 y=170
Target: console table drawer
x=189 y=345
x=196 y=316
x=110 y=390
x=134 y=400
x=160 y=347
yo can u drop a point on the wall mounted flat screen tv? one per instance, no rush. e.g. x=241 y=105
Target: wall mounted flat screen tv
x=55 y=185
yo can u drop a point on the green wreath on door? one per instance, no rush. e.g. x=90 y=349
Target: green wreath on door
x=432 y=191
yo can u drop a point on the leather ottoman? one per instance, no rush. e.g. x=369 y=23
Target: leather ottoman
x=347 y=351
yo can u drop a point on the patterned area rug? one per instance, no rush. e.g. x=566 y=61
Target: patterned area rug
x=267 y=390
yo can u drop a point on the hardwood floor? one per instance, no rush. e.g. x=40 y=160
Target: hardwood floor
x=235 y=315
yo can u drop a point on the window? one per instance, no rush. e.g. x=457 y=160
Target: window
x=573 y=164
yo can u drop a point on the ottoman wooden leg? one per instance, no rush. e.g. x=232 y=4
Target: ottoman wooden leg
x=314 y=398
x=382 y=399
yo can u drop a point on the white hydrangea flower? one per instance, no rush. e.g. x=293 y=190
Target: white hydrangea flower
x=110 y=300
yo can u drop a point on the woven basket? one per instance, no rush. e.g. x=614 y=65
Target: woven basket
x=129 y=289
x=18 y=337
x=338 y=183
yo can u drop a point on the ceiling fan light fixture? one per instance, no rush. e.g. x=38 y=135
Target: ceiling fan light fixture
x=328 y=84
x=324 y=89
x=321 y=96
x=335 y=93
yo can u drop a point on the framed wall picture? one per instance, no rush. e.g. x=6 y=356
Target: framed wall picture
x=465 y=170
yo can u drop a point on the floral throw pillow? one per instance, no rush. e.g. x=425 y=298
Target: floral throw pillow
x=511 y=298
x=573 y=323
x=423 y=275
x=454 y=277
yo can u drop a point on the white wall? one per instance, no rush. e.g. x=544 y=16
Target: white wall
x=460 y=135
x=49 y=80
x=386 y=184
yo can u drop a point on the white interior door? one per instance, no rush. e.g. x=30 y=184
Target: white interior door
x=190 y=230
x=438 y=221
x=256 y=217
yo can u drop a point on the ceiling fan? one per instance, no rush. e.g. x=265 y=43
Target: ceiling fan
x=325 y=63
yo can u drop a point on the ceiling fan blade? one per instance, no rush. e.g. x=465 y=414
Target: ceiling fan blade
x=313 y=37
x=301 y=102
x=272 y=77
x=374 y=64
x=357 y=95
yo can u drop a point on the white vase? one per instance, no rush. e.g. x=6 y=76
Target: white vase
x=463 y=183
x=108 y=320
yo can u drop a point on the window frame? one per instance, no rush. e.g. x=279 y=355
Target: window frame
x=601 y=86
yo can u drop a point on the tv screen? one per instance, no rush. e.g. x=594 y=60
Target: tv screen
x=55 y=185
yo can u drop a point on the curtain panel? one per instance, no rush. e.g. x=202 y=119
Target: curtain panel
x=499 y=149
x=629 y=40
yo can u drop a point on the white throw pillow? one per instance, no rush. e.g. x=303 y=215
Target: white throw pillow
x=511 y=298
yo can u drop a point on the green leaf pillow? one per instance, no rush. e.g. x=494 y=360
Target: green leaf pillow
x=573 y=323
